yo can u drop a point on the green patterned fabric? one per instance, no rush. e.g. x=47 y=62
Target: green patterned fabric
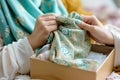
x=17 y=17
x=70 y=45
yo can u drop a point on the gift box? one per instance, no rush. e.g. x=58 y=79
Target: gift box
x=47 y=70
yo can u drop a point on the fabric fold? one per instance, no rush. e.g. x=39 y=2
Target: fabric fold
x=70 y=44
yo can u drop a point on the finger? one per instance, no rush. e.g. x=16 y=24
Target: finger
x=52 y=28
x=47 y=17
x=89 y=19
x=85 y=26
x=97 y=21
x=92 y=20
x=50 y=22
x=84 y=18
x=49 y=14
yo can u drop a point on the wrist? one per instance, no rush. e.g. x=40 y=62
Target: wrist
x=110 y=39
x=35 y=42
x=31 y=41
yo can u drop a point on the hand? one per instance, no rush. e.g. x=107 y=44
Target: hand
x=96 y=30
x=44 y=25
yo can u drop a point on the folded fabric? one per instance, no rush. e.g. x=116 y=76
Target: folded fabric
x=70 y=44
x=114 y=76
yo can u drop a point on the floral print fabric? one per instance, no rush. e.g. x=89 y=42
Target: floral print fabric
x=70 y=45
x=17 y=17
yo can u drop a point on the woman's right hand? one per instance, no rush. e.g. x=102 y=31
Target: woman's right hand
x=44 y=25
x=96 y=30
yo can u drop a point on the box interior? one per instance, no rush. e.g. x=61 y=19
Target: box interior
x=48 y=70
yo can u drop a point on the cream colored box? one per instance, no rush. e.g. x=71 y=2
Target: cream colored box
x=51 y=71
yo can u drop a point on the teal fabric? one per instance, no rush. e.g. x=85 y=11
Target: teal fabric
x=70 y=45
x=17 y=17
x=17 y=20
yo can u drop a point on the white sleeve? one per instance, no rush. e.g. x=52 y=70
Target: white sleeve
x=14 y=58
x=116 y=34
